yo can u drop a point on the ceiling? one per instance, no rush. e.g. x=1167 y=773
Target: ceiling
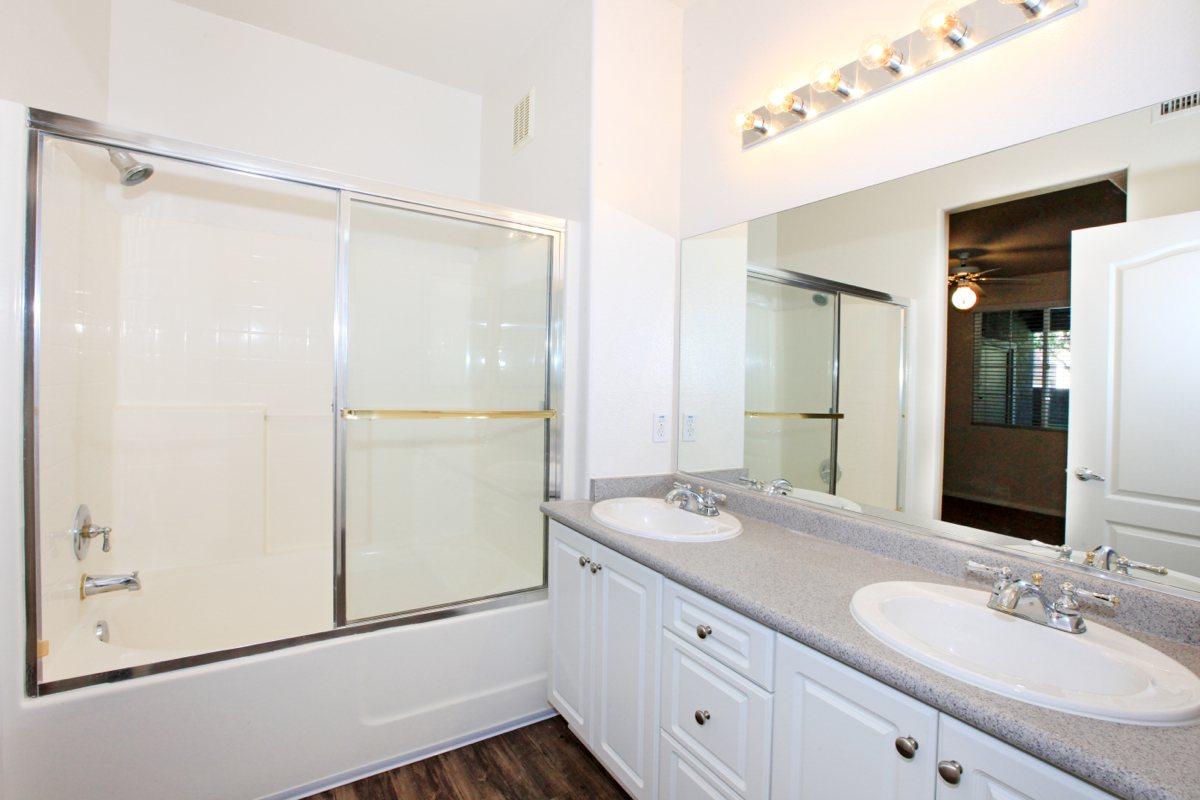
x=456 y=42
x=1032 y=235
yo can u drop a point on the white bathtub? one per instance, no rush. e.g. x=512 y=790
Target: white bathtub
x=185 y=611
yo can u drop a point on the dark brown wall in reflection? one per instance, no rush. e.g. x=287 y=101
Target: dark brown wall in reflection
x=1028 y=238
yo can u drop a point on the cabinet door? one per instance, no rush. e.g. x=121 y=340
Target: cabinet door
x=993 y=770
x=837 y=731
x=571 y=584
x=624 y=726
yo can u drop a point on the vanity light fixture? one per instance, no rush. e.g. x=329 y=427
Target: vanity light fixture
x=878 y=53
x=781 y=101
x=949 y=30
x=1032 y=8
x=828 y=78
x=750 y=121
x=941 y=21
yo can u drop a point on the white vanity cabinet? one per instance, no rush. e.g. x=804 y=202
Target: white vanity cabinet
x=604 y=662
x=841 y=734
x=682 y=698
x=993 y=770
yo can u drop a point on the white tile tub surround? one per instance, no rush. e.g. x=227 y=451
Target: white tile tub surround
x=185 y=385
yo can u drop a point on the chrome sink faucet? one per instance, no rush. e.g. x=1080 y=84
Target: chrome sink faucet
x=1025 y=599
x=700 y=501
x=779 y=486
x=100 y=584
x=1106 y=557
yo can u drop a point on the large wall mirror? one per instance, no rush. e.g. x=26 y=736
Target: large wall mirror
x=1004 y=350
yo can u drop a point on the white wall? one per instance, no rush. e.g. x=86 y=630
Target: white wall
x=632 y=236
x=188 y=74
x=54 y=55
x=1107 y=58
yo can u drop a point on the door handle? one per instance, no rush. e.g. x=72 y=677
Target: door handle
x=1085 y=474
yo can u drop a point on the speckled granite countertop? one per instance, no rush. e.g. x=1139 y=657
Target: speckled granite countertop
x=801 y=585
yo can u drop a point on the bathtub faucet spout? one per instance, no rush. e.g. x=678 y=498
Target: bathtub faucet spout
x=99 y=584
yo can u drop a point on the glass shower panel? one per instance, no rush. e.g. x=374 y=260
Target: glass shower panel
x=444 y=413
x=791 y=339
x=183 y=396
x=871 y=376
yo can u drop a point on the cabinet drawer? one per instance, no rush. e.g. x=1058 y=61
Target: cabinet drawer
x=737 y=642
x=683 y=777
x=719 y=716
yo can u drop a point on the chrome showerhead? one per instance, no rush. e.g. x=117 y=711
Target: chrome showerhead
x=131 y=170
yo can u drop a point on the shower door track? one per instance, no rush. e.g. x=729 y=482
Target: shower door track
x=42 y=124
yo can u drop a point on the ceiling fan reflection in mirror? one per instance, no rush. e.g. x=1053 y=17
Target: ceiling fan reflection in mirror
x=966 y=281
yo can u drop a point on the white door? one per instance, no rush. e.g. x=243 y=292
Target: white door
x=841 y=734
x=1135 y=390
x=983 y=768
x=571 y=584
x=624 y=660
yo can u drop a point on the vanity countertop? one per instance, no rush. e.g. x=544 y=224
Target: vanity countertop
x=801 y=585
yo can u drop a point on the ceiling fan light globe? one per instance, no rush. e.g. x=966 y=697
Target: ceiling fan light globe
x=964 y=297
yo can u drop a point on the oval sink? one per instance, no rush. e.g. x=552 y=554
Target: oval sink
x=653 y=518
x=1100 y=673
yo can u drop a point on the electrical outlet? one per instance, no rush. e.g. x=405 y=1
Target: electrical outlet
x=689 y=427
x=659 y=430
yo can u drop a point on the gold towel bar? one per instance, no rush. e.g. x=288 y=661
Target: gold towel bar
x=406 y=413
x=793 y=415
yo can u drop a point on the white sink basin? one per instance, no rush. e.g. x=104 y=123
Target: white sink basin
x=1100 y=673
x=653 y=518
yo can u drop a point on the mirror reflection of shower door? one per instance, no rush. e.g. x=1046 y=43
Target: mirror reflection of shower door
x=444 y=422
x=791 y=381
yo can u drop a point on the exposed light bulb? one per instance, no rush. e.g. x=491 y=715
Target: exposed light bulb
x=1032 y=8
x=877 y=53
x=781 y=101
x=749 y=121
x=941 y=21
x=964 y=297
x=827 y=78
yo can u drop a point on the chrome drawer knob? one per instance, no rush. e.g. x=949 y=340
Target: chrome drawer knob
x=703 y=631
x=702 y=717
x=583 y=561
x=906 y=746
x=951 y=772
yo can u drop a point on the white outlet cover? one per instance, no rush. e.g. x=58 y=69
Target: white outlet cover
x=659 y=429
x=689 y=427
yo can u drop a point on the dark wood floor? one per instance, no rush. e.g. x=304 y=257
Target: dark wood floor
x=1002 y=519
x=538 y=762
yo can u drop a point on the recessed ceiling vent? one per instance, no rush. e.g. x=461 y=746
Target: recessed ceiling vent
x=522 y=121
x=1184 y=105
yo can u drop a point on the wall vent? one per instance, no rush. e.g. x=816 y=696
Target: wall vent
x=1184 y=105
x=522 y=121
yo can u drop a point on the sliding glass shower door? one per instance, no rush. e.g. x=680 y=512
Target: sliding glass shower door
x=444 y=408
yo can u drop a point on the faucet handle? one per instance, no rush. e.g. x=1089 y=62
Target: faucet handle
x=1122 y=561
x=999 y=573
x=680 y=485
x=1071 y=594
x=1063 y=550
x=709 y=496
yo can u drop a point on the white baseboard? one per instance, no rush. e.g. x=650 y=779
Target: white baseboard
x=367 y=770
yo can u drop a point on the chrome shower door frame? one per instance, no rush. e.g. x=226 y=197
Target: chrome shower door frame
x=552 y=456
x=43 y=124
x=838 y=289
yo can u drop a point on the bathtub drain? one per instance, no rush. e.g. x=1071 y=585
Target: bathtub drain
x=102 y=631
